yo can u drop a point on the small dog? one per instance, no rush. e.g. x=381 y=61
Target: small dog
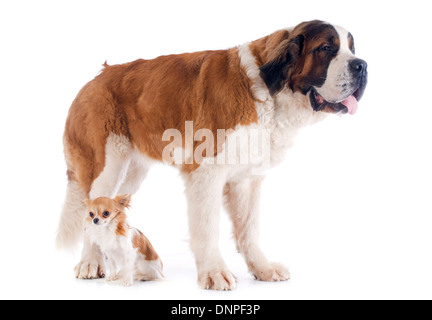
x=130 y=254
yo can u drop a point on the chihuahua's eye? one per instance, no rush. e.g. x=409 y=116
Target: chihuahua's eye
x=106 y=214
x=91 y=215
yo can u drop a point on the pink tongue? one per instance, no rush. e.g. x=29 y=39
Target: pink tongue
x=351 y=104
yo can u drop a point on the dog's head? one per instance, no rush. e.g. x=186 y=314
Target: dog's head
x=102 y=211
x=318 y=60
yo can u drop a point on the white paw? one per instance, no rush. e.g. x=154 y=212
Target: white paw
x=272 y=272
x=127 y=282
x=112 y=277
x=217 y=280
x=90 y=269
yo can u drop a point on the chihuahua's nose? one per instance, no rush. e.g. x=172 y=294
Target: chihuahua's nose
x=95 y=220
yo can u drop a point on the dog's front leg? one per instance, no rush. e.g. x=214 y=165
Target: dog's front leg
x=113 y=269
x=92 y=264
x=204 y=189
x=127 y=273
x=242 y=203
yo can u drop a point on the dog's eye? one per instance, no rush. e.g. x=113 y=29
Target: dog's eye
x=91 y=215
x=106 y=214
x=326 y=48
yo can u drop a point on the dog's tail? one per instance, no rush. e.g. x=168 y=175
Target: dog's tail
x=70 y=229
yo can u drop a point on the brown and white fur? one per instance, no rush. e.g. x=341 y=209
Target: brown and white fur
x=130 y=254
x=276 y=85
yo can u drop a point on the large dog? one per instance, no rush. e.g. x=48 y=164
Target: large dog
x=260 y=93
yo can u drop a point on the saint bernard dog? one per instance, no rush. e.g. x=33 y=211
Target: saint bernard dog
x=117 y=128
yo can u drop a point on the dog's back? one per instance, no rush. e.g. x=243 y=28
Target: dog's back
x=148 y=264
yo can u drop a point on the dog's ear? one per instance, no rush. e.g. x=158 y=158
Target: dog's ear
x=123 y=200
x=87 y=202
x=276 y=71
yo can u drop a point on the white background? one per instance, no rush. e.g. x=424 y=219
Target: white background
x=349 y=211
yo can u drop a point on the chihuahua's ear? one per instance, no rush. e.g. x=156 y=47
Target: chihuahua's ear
x=123 y=200
x=87 y=202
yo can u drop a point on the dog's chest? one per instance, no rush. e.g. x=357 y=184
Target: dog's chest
x=264 y=144
x=279 y=117
x=106 y=238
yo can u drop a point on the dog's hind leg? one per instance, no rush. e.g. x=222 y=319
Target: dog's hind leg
x=117 y=158
x=136 y=173
x=118 y=152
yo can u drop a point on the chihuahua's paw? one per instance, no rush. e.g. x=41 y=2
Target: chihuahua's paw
x=272 y=272
x=127 y=282
x=89 y=269
x=112 y=277
x=217 y=280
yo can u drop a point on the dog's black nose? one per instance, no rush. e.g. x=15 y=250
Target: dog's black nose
x=95 y=220
x=358 y=66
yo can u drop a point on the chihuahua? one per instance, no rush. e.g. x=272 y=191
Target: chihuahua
x=130 y=254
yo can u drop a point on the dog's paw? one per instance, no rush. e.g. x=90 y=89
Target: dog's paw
x=127 y=282
x=113 y=277
x=272 y=272
x=89 y=269
x=217 y=280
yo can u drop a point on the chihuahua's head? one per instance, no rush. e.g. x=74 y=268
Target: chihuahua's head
x=102 y=211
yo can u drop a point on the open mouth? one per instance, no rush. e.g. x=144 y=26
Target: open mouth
x=349 y=105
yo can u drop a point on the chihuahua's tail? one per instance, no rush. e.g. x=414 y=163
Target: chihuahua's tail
x=70 y=229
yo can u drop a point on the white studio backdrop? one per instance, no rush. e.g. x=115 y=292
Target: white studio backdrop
x=349 y=211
